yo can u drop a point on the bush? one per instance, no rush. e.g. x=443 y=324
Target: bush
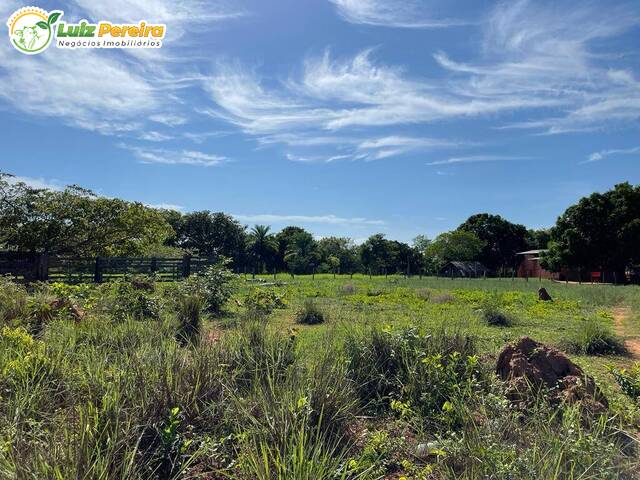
x=348 y=289
x=496 y=317
x=629 y=380
x=189 y=312
x=441 y=298
x=420 y=373
x=310 y=313
x=13 y=300
x=215 y=285
x=263 y=302
x=137 y=304
x=594 y=339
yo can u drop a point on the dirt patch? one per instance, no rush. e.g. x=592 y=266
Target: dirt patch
x=621 y=316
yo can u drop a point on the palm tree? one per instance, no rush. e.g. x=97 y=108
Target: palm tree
x=302 y=253
x=262 y=245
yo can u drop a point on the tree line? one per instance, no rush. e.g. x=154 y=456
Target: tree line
x=601 y=231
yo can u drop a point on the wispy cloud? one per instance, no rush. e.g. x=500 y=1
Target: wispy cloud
x=175 y=157
x=602 y=154
x=321 y=219
x=477 y=159
x=393 y=13
x=166 y=206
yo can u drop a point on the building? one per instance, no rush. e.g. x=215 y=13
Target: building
x=464 y=270
x=529 y=266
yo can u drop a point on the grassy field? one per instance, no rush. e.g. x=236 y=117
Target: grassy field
x=393 y=378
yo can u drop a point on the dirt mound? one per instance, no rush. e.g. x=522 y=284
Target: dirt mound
x=529 y=367
x=63 y=304
x=544 y=295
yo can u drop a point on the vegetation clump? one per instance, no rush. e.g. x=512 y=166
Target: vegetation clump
x=262 y=301
x=189 y=312
x=594 y=338
x=310 y=313
x=215 y=285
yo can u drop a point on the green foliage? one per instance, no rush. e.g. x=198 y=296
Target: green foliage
x=458 y=245
x=129 y=301
x=492 y=312
x=264 y=301
x=76 y=221
x=13 y=300
x=502 y=239
x=600 y=232
x=422 y=371
x=189 y=312
x=310 y=313
x=594 y=338
x=215 y=285
x=628 y=379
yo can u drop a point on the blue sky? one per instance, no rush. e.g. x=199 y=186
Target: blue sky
x=347 y=117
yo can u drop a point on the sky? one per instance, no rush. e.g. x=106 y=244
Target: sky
x=346 y=117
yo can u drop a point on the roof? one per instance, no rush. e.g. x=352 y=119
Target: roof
x=472 y=268
x=533 y=252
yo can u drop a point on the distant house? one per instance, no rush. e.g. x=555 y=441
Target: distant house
x=464 y=270
x=530 y=265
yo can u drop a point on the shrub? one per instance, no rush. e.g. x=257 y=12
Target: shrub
x=348 y=289
x=40 y=312
x=137 y=304
x=628 y=379
x=492 y=312
x=441 y=298
x=189 y=312
x=144 y=282
x=13 y=300
x=423 y=372
x=215 y=285
x=310 y=313
x=263 y=301
x=594 y=339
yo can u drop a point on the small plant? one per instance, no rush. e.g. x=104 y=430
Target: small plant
x=628 y=379
x=189 y=312
x=348 y=289
x=41 y=312
x=215 y=285
x=13 y=300
x=594 y=338
x=133 y=303
x=263 y=302
x=310 y=313
x=442 y=298
x=493 y=313
x=146 y=283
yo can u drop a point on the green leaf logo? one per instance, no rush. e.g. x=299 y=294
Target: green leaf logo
x=53 y=18
x=43 y=25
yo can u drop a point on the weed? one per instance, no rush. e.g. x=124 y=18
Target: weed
x=310 y=313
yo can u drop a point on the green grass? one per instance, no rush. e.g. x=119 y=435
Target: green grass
x=399 y=366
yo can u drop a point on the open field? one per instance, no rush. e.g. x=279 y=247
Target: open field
x=396 y=380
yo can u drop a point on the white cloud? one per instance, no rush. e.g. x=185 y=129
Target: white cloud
x=153 y=136
x=322 y=219
x=545 y=53
x=601 y=155
x=166 y=206
x=168 y=119
x=393 y=13
x=477 y=159
x=175 y=157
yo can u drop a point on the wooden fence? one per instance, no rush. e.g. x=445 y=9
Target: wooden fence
x=42 y=267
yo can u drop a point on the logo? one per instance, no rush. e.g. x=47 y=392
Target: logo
x=31 y=29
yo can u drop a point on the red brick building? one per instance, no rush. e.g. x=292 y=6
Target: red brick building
x=530 y=266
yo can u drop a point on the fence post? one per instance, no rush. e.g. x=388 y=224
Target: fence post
x=186 y=266
x=154 y=264
x=42 y=267
x=97 y=271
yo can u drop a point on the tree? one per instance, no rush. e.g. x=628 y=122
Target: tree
x=457 y=245
x=502 y=239
x=376 y=254
x=213 y=234
x=538 y=239
x=262 y=246
x=420 y=248
x=601 y=232
x=75 y=221
x=341 y=249
x=283 y=239
x=302 y=253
